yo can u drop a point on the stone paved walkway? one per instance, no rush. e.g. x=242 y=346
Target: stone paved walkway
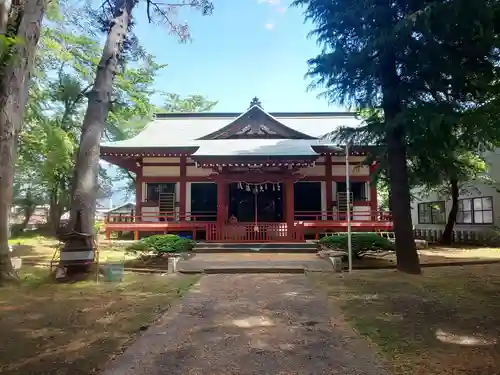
x=201 y=262
x=249 y=324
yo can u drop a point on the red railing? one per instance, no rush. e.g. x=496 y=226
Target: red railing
x=253 y=232
x=155 y=217
x=357 y=216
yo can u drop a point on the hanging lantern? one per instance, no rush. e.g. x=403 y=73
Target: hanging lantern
x=261 y=188
x=240 y=186
x=265 y=186
x=279 y=187
x=247 y=188
x=274 y=187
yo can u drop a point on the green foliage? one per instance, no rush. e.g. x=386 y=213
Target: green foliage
x=64 y=72
x=164 y=243
x=361 y=243
x=190 y=103
x=428 y=89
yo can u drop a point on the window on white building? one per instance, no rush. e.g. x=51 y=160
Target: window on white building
x=475 y=211
x=431 y=213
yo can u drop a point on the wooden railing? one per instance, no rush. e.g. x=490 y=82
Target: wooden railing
x=358 y=216
x=254 y=232
x=155 y=217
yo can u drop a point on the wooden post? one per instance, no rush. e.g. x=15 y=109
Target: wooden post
x=221 y=207
x=329 y=188
x=373 y=192
x=289 y=204
x=182 y=189
x=138 y=195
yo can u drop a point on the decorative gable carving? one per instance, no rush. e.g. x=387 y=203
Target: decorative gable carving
x=255 y=123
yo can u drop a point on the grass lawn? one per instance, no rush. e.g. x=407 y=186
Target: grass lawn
x=41 y=249
x=445 y=322
x=75 y=328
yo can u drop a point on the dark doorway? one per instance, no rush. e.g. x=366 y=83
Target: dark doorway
x=267 y=203
x=204 y=201
x=307 y=199
x=358 y=190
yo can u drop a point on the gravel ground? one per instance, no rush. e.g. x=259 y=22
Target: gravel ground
x=250 y=324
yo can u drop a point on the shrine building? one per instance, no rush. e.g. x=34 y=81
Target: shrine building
x=245 y=177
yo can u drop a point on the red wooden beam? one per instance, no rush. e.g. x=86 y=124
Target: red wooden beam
x=328 y=179
x=182 y=188
x=373 y=188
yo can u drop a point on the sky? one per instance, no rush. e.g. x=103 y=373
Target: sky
x=246 y=48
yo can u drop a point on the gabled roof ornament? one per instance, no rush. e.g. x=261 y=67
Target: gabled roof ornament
x=255 y=101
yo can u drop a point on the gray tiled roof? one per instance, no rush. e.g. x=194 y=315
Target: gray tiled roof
x=184 y=130
x=256 y=147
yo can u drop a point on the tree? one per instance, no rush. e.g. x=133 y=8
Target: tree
x=20 y=25
x=117 y=22
x=65 y=68
x=190 y=103
x=401 y=58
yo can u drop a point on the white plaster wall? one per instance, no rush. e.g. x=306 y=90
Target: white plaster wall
x=177 y=193
x=161 y=160
x=316 y=170
x=324 y=209
x=352 y=159
x=144 y=192
x=150 y=214
x=355 y=170
x=160 y=171
x=193 y=171
x=361 y=213
x=188 y=199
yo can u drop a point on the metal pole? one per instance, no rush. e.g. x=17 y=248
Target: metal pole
x=348 y=191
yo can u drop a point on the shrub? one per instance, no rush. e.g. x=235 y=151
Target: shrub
x=361 y=243
x=165 y=243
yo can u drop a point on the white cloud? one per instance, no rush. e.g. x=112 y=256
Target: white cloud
x=269 y=26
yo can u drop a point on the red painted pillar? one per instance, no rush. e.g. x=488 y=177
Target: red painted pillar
x=182 y=189
x=138 y=194
x=328 y=179
x=221 y=206
x=289 y=212
x=373 y=192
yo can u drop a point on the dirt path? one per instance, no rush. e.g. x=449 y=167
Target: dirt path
x=249 y=324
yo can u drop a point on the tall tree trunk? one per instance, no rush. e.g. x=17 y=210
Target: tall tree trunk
x=447 y=238
x=55 y=210
x=84 y=185
x=28 y=212
x=406 y=251
x=13 y=95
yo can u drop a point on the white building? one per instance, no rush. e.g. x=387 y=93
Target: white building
x=478 y=205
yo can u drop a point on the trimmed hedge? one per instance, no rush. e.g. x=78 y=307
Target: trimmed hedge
x=361 y=243
x=162 y=244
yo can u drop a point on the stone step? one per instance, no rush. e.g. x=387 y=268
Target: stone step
x=245 y=270
x=222 y=247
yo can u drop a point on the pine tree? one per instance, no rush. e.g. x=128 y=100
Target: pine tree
x=400 y=57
